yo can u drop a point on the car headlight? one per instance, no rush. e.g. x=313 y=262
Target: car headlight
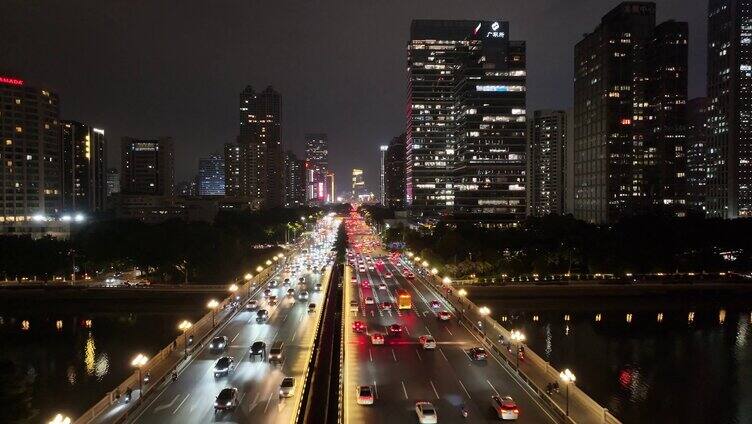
x=229 y=403
x=216 y=404
x=281 y=392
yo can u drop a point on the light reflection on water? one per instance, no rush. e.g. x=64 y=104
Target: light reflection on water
x=689 y=365
x=73 y=360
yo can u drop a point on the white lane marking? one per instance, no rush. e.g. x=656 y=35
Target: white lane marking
x=375 y=390
x=418 y=353
x=193 y=406
x=465 y=389
x=493 y=388
x=181 y=403
x=449 y=331
x=434 y=389
x=394 y=356
x=241 y=397
x=268 y=401
x=407 y=330
x=169 y=405
x=236 y=336
x=370 y=355
x=293 y=335
x=285 y=318
x=442 y=354
x=404 y=390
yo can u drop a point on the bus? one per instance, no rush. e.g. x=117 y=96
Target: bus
x=404 y=301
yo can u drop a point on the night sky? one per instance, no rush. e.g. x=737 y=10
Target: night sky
x=145 y=68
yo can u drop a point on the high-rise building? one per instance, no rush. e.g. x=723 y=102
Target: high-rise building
x=84 y=187
x=147 y=166
x=330 y=197
x=394 y=173
x=546 y=162
x=729 y=145
x=382 y=189
x=629 y=122
x=358 y=184
x=489 y=179
x=232 y=169
x=260 y=147
x=465 y=153
x=113 y=181
x=317 y=165
x=30 y=172
x=698 y=155
x=295 y=185
x=211 y=176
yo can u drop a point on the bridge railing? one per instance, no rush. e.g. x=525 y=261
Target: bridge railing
x=541 y=372
x=161 y=365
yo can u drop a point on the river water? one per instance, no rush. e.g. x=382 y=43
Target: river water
x=73 y=359
x=647 y=359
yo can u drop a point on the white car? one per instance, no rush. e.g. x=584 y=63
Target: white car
x=287 y=388
x=426 y=413
x=505 y=407
x=353 y=306
x=369 y=300
x=382 y=286
x=365 y=395
x=377 y=339
x=428 y=342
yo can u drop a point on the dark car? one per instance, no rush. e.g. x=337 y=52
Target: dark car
x=395 y=330
x=226 y=399
x=477 y=354
x=223 y=366
x=218 y=344
x=262 y=315
x=258 y=348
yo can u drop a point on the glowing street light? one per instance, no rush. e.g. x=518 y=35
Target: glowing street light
x=248 y=277
x=462 y=292
x=268 y=262
x=446 y=280
x=425 y=264
x=275 y=258
x=139 y=361
x=483 y=310
x=184 y=327
x=233 y=288
x=518 y=338
x=434 y=271
x=213 y=306
x=259 y=268
x=568 y=378
x=410 y=254
x=416 y=259
x=60 y=419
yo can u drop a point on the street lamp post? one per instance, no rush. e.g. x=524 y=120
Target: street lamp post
x=568 y=378
x=518 y=338
x=184 y=327
x=213 y=306
x=248 y=277
x=233 y=289
x=139 y=361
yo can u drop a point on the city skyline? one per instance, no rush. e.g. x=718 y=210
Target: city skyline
x=206 y=119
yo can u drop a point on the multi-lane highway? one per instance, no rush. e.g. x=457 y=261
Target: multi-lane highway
x=190 y=399
x=401 y=372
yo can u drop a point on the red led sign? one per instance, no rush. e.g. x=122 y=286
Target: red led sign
x=11 y=81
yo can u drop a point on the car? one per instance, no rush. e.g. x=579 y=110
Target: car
x=444 y=316
x=353 y=306
x=395 y=330
x=290 y=292
x=385 y=305
x=426 y=413
x=287 y=387
x=358 y=326
x=369 y=300
x=286 y=283
x=311 y=307
x=223 y=366
x=303 y=295
x=301 y=280
x=354 y=279
x=435 y=304
x=252 y=305
x=272 y=300
x=226 y=399
x=388 y=275
x=427 y=341
x=317 y=287
x=505 y=407
x=262 y=315
x=377 y=339
x=276 y=352
x=273 y=283
x=365 y=395
x=267 y=293
x=477 y=353
x=365 y=284
x=409 y=275
x=218 y=344
x=382 y=286
x=370 y=267
x=258 y=348
x=362 y=269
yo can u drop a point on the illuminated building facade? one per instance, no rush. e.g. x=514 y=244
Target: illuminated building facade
x=211 y=176
x=295 y=184
x=546 y=162
x=330 y=198
x=317 y=166
x=147 y=166
x=232 y=169
x=30 y=172
x=394 y=173
x=698 y=155
x=84 y=186
x=729 y=179
x=358 y=185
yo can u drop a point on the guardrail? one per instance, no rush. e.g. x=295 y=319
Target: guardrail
x=170 y=358
x=596 y=412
